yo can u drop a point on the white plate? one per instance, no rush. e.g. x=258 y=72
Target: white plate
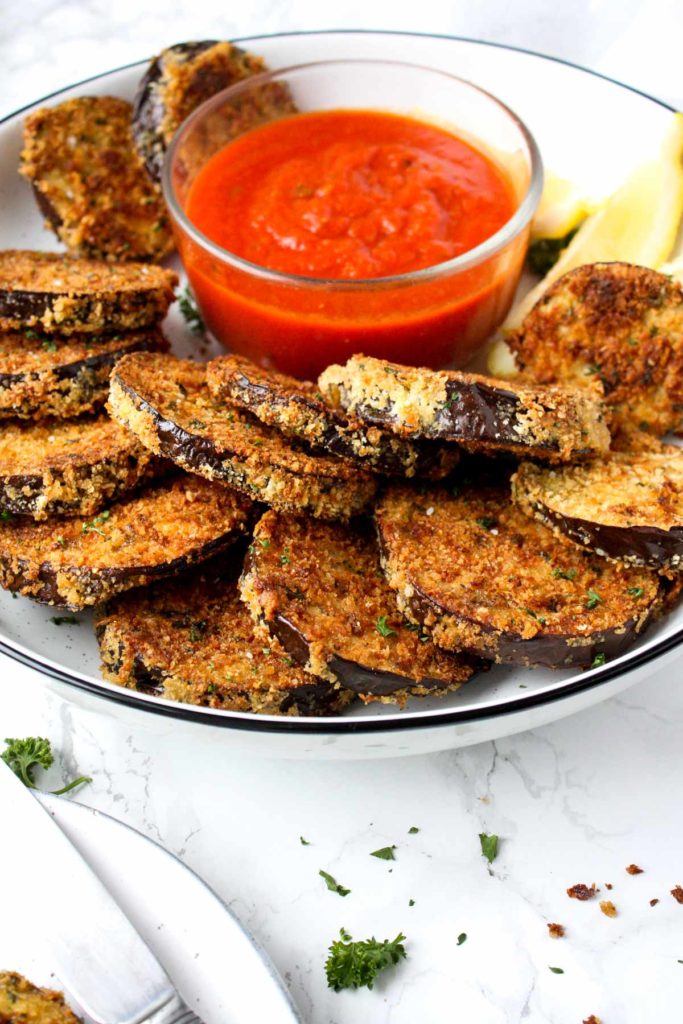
x=586 y=126
x=215 y=964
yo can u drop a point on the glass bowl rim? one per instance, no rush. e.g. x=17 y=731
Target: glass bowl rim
x=473 y=257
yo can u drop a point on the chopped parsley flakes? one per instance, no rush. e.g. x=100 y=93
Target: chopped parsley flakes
x=489 y=846
x=382 y=628
x=332 y=884
x=385 y=853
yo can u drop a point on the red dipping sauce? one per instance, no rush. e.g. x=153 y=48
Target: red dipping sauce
x=339 y=201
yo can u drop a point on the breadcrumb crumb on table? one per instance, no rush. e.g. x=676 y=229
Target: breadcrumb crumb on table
x=582 y=892
x=633 y=869
x=677 y=893
x=555 y=931
x=608 y=908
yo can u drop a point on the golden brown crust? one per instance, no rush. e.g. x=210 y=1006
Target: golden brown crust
x=177 y=81
x=166 y=403
x=628 y=506
x=298 y=410
x=318 y=589
x=61 y=294
x=24 y=1003
x=70 y=467
x=482 y=576
x=193 y=640
x=50 y=375
x=166 y=529
x=615 y=325
x=480 y=413
x=90 y=182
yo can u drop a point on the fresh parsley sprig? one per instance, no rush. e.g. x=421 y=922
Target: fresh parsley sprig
x=24 y=756
x=192 y=316
x=356 y=964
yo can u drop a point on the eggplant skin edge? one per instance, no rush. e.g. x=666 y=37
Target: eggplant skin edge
x=77 y=588
x=648 y=546
x=540 y=651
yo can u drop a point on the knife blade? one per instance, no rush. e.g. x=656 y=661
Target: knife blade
x=93 y=949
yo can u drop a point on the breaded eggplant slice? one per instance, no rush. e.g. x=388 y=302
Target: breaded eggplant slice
x=59 y=294
x=69 y=467
x=176 y=82
x=297 y=409
x=167 y=404
x=483 y=577
x=480 y=413
x=192 y=640
x=628 y=507
x=318 y=590
x=24 y=1003
x=78 y=562
x=616 y=324
x=50 y=375
x=90 y=182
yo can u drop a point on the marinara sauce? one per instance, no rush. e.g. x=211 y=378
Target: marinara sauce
x=344 y=196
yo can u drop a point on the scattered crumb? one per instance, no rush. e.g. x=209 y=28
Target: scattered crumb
x=485 y=799
x=556 y=931
x=653 y=903
x=582 y=892
x=608 y=908
x=592 y=1020
x=608 y=885
x=677 y=893
x=633 y=869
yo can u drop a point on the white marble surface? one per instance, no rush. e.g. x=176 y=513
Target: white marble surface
x=575 y=801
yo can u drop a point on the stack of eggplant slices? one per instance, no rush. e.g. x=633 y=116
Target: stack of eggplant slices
x=256 y=543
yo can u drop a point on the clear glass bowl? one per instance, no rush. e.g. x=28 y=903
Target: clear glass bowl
x=437 y=316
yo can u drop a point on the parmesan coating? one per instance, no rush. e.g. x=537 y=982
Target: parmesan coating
x=318 y=589
x=24 y=1003
x=297 y=408
x=628 y=497
x=90 y=182
x=55 y=293
x=481 y=576
x=480 y=413
x=49 y=375
x=162 y=531
x=192 y=640
x=168 y=406
x=72 y=467
x=178 y=80
x=615 y=327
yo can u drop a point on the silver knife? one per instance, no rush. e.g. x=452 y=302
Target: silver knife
x=97 y=955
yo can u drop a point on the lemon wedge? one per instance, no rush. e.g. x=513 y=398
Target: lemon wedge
x=562 y=208
x=637 y=224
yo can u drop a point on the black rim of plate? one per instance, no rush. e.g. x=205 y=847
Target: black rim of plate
x=405 y=720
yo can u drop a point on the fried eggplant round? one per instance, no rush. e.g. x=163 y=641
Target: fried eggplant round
x=481 y=414
x=69 y=467
x=21 y=1002
x=50 y=292
x=297 y=409
x=628 y=506
x=167 y=404
x=90 y=183
x=618 y=325
x=49 y=375
x=318 y=590
x=481 y=576
x=160 y=532
x=192 y=640
x=176 y=82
